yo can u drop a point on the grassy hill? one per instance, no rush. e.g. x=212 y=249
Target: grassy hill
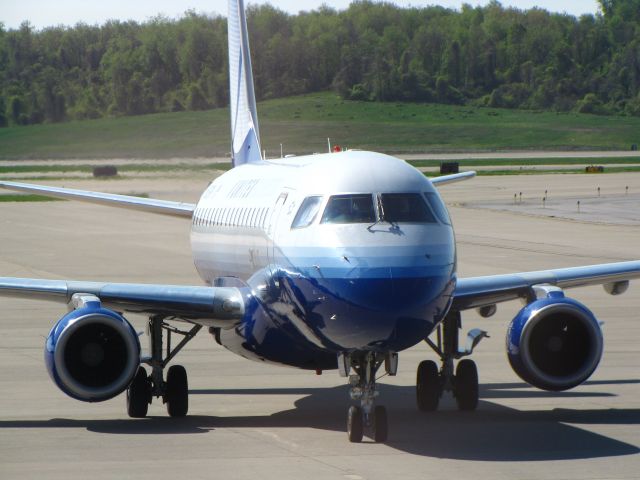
x=303 y=124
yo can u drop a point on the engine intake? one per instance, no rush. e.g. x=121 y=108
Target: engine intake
x=92 y=353
x=554 y=343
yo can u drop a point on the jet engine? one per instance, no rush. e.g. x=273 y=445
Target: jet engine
x=554 y=343
x=92 y=353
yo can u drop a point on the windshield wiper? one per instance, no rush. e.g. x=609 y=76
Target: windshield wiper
x=382 y=217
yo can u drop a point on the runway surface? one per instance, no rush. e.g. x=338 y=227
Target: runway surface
x=249 y=420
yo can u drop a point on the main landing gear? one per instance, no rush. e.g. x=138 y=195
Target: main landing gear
x=431 y=382
x=174 y=390
x=368 y=417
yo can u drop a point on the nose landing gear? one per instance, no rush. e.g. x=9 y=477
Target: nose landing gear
x=368 y=417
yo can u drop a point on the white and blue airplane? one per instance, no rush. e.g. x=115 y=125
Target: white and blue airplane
x=331 y=261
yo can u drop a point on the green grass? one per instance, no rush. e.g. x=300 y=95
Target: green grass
x=303 y=124
x=4 y=169
x=491 y=173
x=491 y=162
x=28 y=197
x=21 y=197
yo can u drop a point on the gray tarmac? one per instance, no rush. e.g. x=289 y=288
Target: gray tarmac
x=249 y=420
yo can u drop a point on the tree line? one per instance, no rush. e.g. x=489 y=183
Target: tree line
x=492 y=55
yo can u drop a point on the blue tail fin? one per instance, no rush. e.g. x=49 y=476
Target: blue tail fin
x=245 y=133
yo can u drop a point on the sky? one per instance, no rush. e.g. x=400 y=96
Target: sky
x=46 y=13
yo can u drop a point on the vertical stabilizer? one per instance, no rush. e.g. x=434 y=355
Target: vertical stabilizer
x=245 y=134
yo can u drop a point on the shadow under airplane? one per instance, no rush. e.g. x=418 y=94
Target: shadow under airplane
x=492 y=433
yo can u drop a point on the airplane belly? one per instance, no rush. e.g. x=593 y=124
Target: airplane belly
x=265 y=340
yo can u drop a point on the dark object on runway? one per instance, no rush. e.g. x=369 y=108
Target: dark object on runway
x=105 y=171
x=449 y=167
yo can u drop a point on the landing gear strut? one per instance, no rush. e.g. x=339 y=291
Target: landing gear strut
x=368 y=417
x=431 y=383
x=175 y=390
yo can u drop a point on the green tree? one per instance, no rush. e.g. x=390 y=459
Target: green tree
x=4 y=120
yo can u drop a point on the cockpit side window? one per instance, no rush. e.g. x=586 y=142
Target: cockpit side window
x=357 y=208
x=307 y=212
x=405 y=207
x=437 y=205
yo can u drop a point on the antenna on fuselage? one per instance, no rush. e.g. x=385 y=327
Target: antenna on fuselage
x=329 y=144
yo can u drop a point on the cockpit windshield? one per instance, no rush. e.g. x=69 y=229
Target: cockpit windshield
x=438 y=206
x=359 y=208
x=405 y=207
x=307 y=212
x=356 y=208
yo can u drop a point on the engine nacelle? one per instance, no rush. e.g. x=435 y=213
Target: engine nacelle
x=554 y=343
x=92 y=353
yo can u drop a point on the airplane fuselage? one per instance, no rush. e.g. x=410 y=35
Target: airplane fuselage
x=320 y=285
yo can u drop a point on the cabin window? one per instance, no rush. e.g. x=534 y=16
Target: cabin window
x=437 y=205
x=264 y=218
x=307 y=212
x=405 y=207
x=356 y=208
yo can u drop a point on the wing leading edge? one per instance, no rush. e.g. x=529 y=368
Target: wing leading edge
x=210 y=306
x=152 y=205
x=481 y=291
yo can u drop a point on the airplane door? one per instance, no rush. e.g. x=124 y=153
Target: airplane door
x=272 y=230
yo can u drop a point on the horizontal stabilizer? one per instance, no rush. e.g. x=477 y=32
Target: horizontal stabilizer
x=456 y=177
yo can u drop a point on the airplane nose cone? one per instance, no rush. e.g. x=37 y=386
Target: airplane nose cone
x=388 y=311
x=385 y=293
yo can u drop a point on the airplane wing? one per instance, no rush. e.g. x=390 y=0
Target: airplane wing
x=476 y=292
x=455 y=177
x=210 y=306
x=164 y=207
